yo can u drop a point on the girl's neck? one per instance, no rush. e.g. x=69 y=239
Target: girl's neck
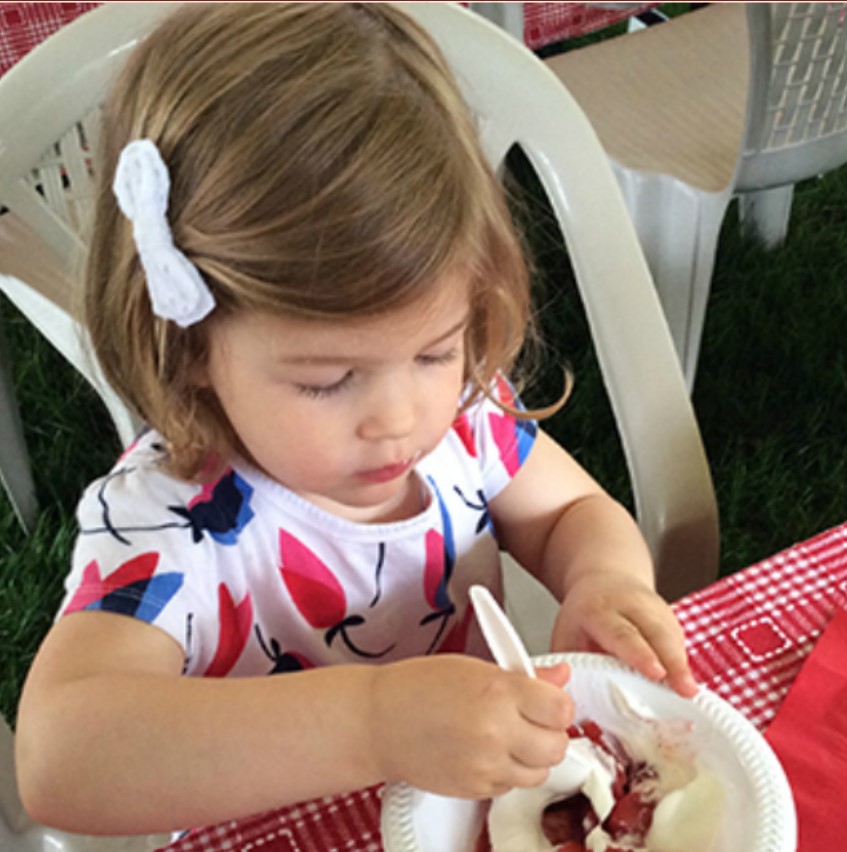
x=411 y=502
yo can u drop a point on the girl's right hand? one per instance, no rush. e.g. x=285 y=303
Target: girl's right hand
x=461 y=727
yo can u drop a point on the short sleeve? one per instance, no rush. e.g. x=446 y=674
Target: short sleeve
x=499 y=440
x=149 y=545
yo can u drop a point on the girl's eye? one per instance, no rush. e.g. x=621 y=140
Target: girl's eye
x=447 y=357
x=324 y=391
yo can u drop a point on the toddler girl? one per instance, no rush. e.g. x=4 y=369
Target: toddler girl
x=304 y=278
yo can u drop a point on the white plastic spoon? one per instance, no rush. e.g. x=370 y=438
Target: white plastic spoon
x=507 y=648
x=499 y=633
x=515 y=817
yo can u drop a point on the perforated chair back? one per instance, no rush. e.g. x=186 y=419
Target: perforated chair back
x=797 y=107
x=49 y=120
x=49 y=117
x=796 y=124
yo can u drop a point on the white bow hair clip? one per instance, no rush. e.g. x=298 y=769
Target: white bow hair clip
x=142 y=187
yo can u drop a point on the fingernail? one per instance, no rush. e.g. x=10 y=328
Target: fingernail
x=658 y=671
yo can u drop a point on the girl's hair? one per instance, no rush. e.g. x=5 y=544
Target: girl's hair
x=323 y=164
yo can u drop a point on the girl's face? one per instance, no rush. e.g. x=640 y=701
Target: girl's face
x=340 y=412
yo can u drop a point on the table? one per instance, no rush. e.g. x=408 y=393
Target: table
x=548 y=22
x=24 y=25
x=748 y=635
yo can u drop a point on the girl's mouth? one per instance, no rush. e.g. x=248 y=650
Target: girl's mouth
x=387 y=473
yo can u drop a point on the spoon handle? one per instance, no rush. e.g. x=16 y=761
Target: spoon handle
x=499 y=633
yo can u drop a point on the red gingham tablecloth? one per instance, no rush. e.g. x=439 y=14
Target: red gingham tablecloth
x=748 y=636
x=549 y=22
x=24 y=25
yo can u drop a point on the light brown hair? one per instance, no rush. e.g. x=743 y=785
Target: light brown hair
x=323 y=164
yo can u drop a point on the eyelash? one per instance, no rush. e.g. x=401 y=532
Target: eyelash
x=434 y=360
x=325 y=391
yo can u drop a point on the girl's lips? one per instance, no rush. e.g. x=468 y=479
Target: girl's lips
x=387 y=473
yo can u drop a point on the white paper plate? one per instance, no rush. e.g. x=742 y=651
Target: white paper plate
x=759 y=813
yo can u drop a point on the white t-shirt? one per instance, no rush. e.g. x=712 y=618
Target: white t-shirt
x=251 y=579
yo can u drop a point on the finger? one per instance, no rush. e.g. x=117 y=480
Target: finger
x=541 y=749
x=683 y=683
x=666 y=638
x=675 y=662
x=525 y=776
x=558 y=675
x=621 y=637
x=567 y=636
x=680 y=679
x=546 y=705
x=516 y=774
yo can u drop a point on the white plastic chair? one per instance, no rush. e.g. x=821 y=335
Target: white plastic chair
x=518 y=101
x=796 y=125
x=733 y=98
x=48 y=135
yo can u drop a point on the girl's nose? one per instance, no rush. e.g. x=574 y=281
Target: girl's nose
x=390 y=412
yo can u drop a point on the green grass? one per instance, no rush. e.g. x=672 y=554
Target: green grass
x=770 y=397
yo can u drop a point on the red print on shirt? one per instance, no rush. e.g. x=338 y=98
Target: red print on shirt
x=133 y=589
x=318 y=595
x=234 y=629
x=314 y=589
x=463 y=429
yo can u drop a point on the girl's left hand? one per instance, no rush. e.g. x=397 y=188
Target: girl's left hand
x=622 y=615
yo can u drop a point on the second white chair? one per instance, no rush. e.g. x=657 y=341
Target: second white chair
x=733 y=98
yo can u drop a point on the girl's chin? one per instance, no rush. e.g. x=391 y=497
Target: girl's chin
x=376 y=503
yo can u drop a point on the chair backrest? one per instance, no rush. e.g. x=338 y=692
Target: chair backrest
x=797 y=108
x=519 y=101
x=49 y=118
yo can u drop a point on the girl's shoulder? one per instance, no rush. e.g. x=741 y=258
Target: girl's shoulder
x=139 y=494
x=160 y=549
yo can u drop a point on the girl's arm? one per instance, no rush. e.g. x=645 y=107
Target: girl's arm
x=588 y=551
x=111 y=739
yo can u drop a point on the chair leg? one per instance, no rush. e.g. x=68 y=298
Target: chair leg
x=766 y=213
x=678 y=229
x=647 y=18
x=12 y=817
x=15 y=471
x=509 y=16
